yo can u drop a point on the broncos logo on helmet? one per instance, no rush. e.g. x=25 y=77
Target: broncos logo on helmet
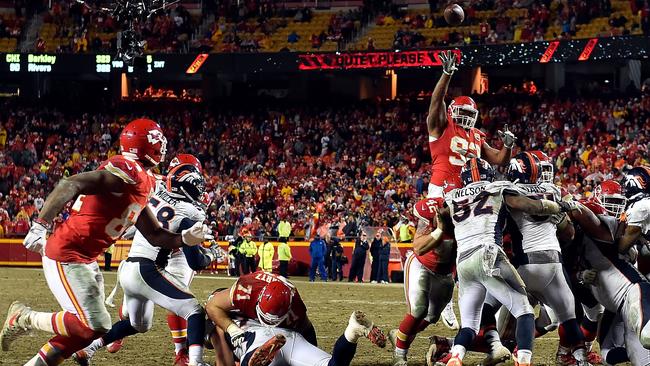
x=186 y=183
x=476 y=170
x=635 y=183
x=524 y=168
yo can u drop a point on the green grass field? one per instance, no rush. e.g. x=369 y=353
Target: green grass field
x=329 y=304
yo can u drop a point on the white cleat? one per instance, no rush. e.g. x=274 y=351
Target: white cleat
x=15 y=325
x=449 y=317
x=360 y=326
x=502 y=354
x=399 y=360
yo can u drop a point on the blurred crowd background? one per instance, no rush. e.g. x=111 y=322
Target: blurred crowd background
x=321 y=169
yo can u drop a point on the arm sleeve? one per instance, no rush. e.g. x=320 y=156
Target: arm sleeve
x=194 y=255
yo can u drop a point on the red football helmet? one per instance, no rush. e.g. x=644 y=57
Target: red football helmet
x=142 y=139
x=609 y=194
x=548 y=173
x=594 y=206
x=274 y=303
x=462 y=110
x=185 y=159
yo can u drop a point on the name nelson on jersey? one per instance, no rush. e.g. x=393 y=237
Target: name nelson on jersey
x=468 y=191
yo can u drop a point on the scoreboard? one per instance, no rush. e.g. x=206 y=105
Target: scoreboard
x=183 y=65
x=89 y=64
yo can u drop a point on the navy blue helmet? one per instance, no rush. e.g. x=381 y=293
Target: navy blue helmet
x=476 y=170
x=524 y=168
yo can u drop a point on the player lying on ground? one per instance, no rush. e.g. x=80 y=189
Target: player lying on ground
x=261 y=345
x=453 y=139
x=145 y=284
x=107 y=202
x=478 y=212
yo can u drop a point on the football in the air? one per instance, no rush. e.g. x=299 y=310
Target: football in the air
x=454 y=14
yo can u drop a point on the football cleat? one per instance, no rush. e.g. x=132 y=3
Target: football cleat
x=438 y=352
x=594 y=358
x=82 y=358
x=455 y=361
x=265 y=353
x=16 y=324
x=181 y=358
x=361 y=326
x=502 y=354
x=399 y=360
x=449 y=317
x=116 y=346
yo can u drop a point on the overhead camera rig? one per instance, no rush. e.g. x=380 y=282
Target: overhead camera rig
x=128 y=13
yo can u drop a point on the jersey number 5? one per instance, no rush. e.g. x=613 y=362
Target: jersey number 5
x=463 y=209
x=461 y=150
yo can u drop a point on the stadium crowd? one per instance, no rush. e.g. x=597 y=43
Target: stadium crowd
x=248 y=26
x=501 y=28
x=317 y=168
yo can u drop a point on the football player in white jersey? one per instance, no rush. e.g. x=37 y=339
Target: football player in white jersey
x=636 y=185
x=538 y=258
x=277 y=346
x=618 y=285
x=478 y=211
x=145 y=284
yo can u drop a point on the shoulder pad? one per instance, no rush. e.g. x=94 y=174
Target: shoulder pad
x=499 y=186
x=126 y=169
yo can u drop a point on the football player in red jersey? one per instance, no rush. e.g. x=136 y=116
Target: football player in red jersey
x=272 y=301
x=428 y=283
x=453 y=140
x=452 y=136
x=269 y=298
x=107 y=202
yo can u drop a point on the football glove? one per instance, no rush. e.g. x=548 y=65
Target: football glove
x=196 y=234
x=588 y=276
x=566 y=206
x=36 y=238
x=214 y=252
x=507 y=137
x=449 y=62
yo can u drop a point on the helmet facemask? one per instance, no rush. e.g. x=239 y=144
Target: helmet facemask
x=269 y=320
x=464 y=115
x=614 y=204
x=548 y=174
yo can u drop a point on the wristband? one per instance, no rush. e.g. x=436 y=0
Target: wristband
x=234 y=330
x=45 y=224
x=446 y=72
x=436 y=234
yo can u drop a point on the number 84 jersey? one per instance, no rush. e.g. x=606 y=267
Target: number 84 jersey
x=479 y=213
x=96 y=221
x=173 y=214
